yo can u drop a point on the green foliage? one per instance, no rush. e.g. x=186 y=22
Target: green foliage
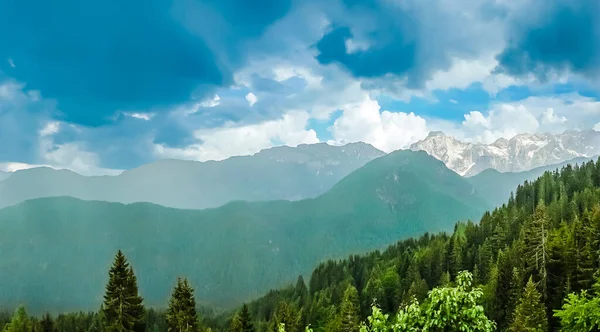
x=242 y=321
x=446 y=309
x=530 y=314
x=20 y=322
x=122 y=308
x=181 y=314
x=47 y=324
x=581 y=312
x=349 y=311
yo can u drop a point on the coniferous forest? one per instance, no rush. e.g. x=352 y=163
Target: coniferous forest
x=532 y=264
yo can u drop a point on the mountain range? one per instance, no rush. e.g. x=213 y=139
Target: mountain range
x=240 y=226
x=523 y=152
x=278 y=173
x=58 y=250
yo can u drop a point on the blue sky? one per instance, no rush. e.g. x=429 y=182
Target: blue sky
x=98 y=87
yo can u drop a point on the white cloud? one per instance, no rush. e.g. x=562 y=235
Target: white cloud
x=597 y=126
x=387 y=131
x=13 y=166
x=453 y=101
x=72 y=156
x=141 y=116
x=251 y=98
x=69 y=155
x=11 y=62
x=504 y=121
x=549 y=117
x=232 y=140
x=50 y=128
x=215 y=101
x=553 y=114
x=284 y=72
x=462 y=73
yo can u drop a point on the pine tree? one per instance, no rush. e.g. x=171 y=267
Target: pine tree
x=236 y=323
x=530 y=315
x=181 y=314
x=536 y=246
x=349 y=312
x=47 y=323
x=20 y=322
x=246 y=319
x=285 y=314
x=122 y=308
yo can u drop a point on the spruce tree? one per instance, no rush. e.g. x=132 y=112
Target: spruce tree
x=535 y=236
x=181 y=314
x=122 y=308
x=349 y=312
x=285 y=314
x=242 y=321
x=47 y=323
x=530 y=314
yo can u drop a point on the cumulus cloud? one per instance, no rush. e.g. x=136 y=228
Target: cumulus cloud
x=385 y=130
x=552 y=114
x=231 y=140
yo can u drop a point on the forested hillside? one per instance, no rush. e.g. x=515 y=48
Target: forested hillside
x=548 y=231
x=534 y=262
x=57 y=249
x=496 y=186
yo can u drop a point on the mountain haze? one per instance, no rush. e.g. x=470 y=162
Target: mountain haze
x=520 y=153
x=59 y=249
x=278 y=173
x=4 y=175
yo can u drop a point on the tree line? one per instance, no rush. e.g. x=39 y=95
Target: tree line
x=531 y=265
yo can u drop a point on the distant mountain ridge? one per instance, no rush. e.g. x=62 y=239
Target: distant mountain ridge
x=290 y=173
x=523 y=152
x=58 y=246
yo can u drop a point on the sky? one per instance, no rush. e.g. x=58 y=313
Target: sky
x=100 y=87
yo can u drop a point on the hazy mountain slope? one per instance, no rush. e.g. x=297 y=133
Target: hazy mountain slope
x=496 y=186
x=278 y=173
x=521 y=153
x=58 y=250
x=4 y=175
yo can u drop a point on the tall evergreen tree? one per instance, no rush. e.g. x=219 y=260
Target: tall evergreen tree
x=181 y=314
x=530 y=315
x=122 y=308
x=349 y=311
x=20 y=322
x=536 y=246
x=285 y=314
x=242 y=321
x=47 y=324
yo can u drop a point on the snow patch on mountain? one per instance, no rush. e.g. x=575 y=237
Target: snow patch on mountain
x=520 y=153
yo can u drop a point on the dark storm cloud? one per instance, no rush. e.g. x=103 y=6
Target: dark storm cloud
x=95 y=58
x=565 y=36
